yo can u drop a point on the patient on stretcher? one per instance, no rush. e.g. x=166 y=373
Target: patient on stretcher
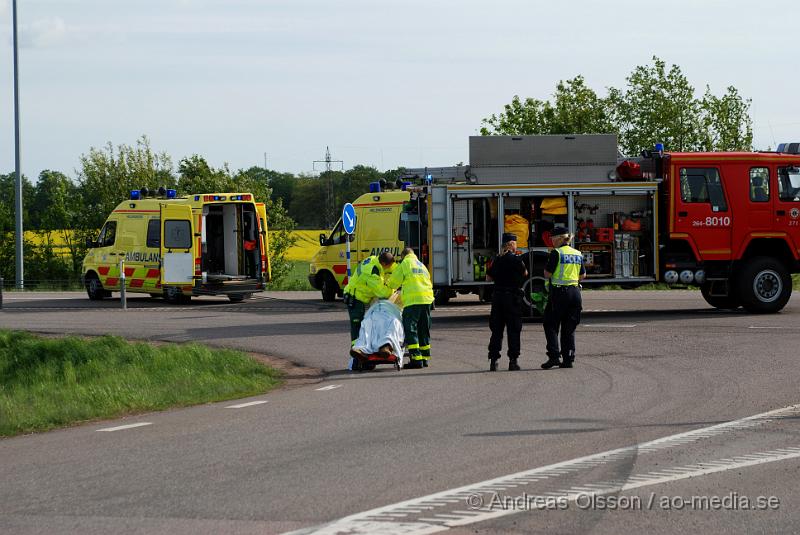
x=380 y=340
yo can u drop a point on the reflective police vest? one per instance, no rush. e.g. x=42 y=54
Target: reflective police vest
x=568 y=269
x=413 y=276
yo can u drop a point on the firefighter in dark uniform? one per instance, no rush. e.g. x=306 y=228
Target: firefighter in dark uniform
x=564 y=270
x=508 y=272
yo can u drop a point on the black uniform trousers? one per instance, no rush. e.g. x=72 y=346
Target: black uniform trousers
x=562 y=313
x=506 y=315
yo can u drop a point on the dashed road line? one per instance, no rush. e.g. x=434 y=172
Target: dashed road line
x=330 y=387
x=121 y=427
x=248 y=404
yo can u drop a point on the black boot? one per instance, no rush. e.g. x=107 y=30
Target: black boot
x=551 y=363
x=492 y=365
x=512 y=365
x=567 y=360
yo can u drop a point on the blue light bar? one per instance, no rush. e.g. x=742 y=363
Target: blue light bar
x=659 y=148
x=374 y=187
x=197 y=197
x=171 y=194
x=135 y=195
x=405 y=185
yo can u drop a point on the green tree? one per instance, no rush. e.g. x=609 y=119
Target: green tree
x=8 y=202
x=55 y=202
x=727 y=122
x=107 y=176
x=576 y=109
x=658 y=105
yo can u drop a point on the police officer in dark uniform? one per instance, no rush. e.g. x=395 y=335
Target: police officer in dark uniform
x=508 y=272
x=565 y=270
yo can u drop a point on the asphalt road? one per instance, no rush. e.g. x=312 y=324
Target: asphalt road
x=452 y=447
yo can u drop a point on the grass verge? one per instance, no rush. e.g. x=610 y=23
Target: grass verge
x=295 y=280
x=52 y=382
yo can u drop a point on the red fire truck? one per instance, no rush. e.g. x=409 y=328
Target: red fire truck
x=726 y=222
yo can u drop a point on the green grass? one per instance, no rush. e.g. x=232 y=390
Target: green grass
x=796 y=281
x=296 y=279
x=52 y=382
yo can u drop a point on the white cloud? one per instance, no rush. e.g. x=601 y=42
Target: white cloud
x=42 y=33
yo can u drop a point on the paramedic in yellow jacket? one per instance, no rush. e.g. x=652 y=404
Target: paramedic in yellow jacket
x=417 y=296
x=365 y=284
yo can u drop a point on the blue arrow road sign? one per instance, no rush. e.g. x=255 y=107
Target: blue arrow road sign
x=349 y=218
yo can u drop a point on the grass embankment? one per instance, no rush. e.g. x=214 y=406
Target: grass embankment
x=52 y=382
x=295 y=280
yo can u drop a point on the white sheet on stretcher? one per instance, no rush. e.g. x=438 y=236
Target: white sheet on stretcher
x=382 y=324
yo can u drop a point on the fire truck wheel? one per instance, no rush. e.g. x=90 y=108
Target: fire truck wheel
x=329 y=287
x=94 y=288
x=441 y=297
x=764 y=285
x=727 y=302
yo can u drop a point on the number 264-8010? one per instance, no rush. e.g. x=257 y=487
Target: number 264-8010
x=723 y=221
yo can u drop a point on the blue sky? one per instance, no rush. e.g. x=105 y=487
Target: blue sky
x=383 y=83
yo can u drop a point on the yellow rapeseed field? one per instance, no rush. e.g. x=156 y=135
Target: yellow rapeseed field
x=306 y=245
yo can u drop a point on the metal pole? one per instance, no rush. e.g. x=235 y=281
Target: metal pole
x=348 y=256
x=122 y=296
x=18 y=205
x=1 y=292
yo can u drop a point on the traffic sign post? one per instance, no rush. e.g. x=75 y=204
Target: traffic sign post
x=349 y=224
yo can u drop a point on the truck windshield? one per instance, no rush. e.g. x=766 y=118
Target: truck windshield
x=789 y=183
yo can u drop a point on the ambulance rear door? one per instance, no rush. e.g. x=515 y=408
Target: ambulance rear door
x=178 y=249
x=266 y=269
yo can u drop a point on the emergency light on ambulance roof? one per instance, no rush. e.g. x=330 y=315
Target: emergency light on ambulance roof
x=404 y=186
x=197 y=197
x=374 y=187
x=135 y=195
x=171 y=194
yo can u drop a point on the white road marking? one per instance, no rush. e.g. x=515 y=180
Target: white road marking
x=248 y=404
x=604 y=325
x=121 y=427
x=378 y=520
x=331 y=387
x=760 y=327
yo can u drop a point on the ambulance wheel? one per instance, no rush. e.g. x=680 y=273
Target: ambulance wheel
x=173 y=295
x=765 y=285
x=329 y=287
x=94 y=288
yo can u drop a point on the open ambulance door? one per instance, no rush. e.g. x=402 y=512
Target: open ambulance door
x=266 y=269
x=178 y=251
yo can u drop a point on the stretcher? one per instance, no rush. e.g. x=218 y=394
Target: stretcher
x=380 y=340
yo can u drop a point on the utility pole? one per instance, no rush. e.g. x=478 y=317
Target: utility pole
x=265 y=161
x=330 y=209
x=18 y=205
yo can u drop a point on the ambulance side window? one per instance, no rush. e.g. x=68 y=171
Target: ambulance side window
x=108 y=234
x=154 y=233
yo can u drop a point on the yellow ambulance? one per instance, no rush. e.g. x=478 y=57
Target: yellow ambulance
x=378 y=229
x=177 y=247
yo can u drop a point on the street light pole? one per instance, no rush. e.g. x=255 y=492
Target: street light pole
x=18 y=204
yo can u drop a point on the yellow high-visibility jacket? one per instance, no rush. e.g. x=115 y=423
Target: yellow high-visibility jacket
x=367 y=281
x=413 y=276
